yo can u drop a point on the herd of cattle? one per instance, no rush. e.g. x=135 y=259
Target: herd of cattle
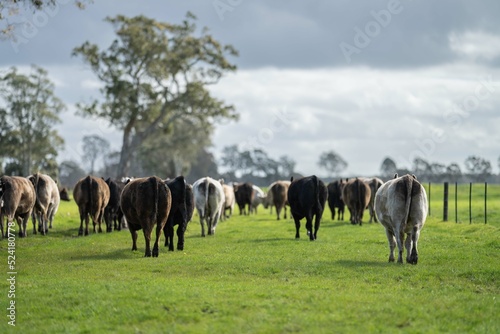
x=151 y=203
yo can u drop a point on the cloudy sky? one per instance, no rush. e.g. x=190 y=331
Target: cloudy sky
x=367 y=79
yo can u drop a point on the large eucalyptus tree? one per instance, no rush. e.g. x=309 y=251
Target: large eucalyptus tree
x=154 y=74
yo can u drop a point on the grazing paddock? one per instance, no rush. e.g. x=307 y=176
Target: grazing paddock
x=254 y=277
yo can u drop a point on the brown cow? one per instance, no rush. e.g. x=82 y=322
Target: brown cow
x=47 y=202
x=63 y=195
x=91 y=194
x=356 y=196
x=279 y=195
x=146 y=202
x=374 y=183
x=17 y=198
x=244 y=194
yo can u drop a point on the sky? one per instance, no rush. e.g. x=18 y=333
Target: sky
x=368 y=79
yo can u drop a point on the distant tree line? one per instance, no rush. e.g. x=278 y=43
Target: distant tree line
x=477 y=169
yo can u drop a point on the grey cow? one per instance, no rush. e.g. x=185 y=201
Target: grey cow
x=401 y=207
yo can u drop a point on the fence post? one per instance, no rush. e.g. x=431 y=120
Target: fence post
x=485 y=202
x=456 y=200
x=470 y=203
x=445 y=202
x=429 y=199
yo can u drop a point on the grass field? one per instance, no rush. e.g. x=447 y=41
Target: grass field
x=254 y=277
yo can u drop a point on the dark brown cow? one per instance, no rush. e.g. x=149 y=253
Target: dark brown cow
x=113 y=213
x=356 y=196
x=17 y=199
x=307 y=197
x=64 y=195
x=47 y=202
x=335 y=200
x=244 y=194
x=91 y=194
x=181 y=211
x=279 y=195
x=145 y=203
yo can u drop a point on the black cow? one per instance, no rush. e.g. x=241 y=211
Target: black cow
x=335 y=200
x=113 y=213
x=244 y=194
x=307 y=197
x=181 y=211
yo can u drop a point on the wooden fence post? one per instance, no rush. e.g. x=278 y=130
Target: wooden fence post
x=485 y=202
x=456 y=200
x=470 y=203
x=429 y=213
x=445 y=202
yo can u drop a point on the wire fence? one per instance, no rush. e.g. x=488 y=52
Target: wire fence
x=468 y=201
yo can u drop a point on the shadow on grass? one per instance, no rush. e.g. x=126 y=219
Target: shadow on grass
x=252 y=241
x=357 y=264
x=118 y=254
x=330 y=224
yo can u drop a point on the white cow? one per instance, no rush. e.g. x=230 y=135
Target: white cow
x=228 y=200
x=258 y=198
x=209 y=201
x=47 y=202
x=401 y=207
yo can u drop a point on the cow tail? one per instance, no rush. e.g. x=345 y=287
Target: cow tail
x=316 y=193
x=88 y=181
x=37 y=187
x=409 y=184
x=154 y=185
x=206 y=193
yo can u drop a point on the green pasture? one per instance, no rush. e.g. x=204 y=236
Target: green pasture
x=254 y=277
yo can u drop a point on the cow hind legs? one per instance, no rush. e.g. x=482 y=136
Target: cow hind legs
x=413 y=258
x=309 y=228
x=392 y=244
x=297 y=228
x=411 y=250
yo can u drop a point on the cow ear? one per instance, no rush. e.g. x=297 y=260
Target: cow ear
x=414 y=176
x=291 y=179
x=396 y=176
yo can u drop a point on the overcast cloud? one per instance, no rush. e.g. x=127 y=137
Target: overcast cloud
x=368 y=79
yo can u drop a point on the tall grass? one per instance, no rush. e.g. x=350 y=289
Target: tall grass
x=254 y=277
